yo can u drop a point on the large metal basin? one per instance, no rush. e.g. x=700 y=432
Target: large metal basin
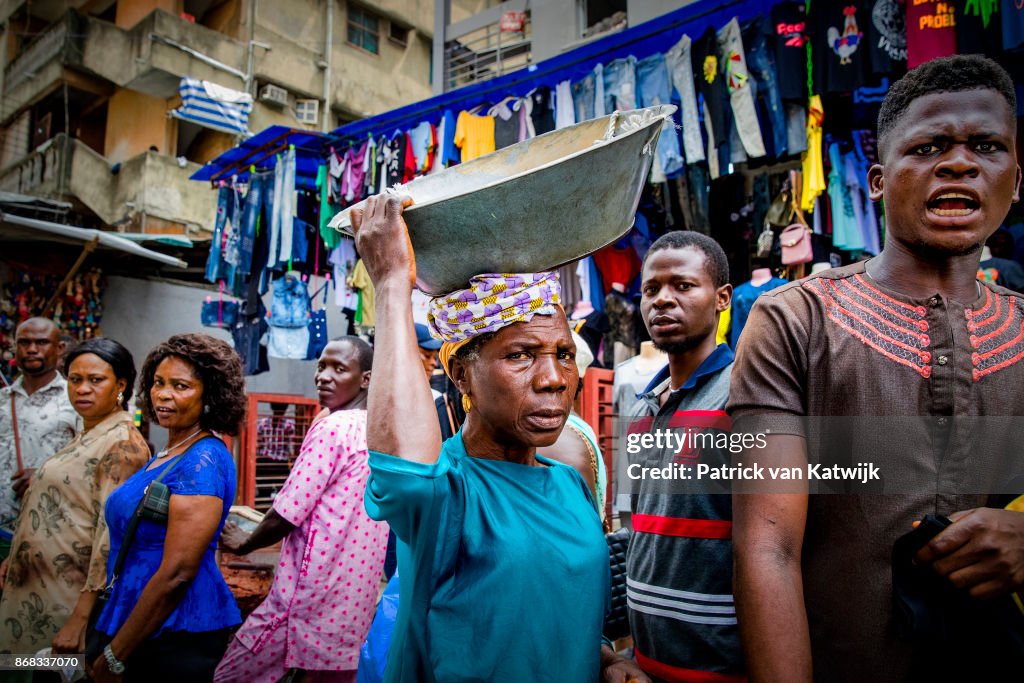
x=533 y=206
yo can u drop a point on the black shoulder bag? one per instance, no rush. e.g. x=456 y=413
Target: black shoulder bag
x=153 y=505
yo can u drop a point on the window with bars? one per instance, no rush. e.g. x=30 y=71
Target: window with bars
x=363 y=29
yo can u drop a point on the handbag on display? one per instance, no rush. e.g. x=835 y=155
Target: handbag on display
x=796 y=245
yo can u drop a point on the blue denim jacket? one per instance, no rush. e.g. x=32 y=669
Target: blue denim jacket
x=290 y=304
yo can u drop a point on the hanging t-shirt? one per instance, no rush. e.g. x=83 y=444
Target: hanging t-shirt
x=446 y=140
x=360 y=279
x=789 y=27
x=931 y=30
x=707 y=76
x=840 y=48
x=506 y=127
x=424 y=142
x=565 y=109
x=391 y=156
x=409 y=161
x=329 y=235
x=343 y=259
x=978 y=29
x=617 y=265
x=1013 y=23
x=743 y=299
x=887 y=36
x=813 y=166
x=474 y=135
x=541 y=112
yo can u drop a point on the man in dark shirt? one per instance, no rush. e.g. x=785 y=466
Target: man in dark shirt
x=909 y=334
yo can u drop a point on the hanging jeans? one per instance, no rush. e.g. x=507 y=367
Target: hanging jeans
x=654 y=89
x=796 y=128
x=741 y=88
x=620 y=85
x=583 y=98
x=257 y=204
x=599 y=109
x=224 y=244
x=680 y=70
x=762 y=67
x=699 y=181
x=284 y=209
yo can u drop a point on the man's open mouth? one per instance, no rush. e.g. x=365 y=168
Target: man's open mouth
x=953 y=205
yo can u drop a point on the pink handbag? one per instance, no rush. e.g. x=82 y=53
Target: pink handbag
x=796 y=245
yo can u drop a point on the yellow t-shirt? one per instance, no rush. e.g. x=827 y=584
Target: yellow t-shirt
x=813 y=166
x=722 y=335
x=360 y=279
x=474 y=135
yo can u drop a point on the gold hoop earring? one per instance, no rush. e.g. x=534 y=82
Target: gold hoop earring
x=467 y=403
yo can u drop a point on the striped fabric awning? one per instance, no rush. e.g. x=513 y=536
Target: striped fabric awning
x=214 y=106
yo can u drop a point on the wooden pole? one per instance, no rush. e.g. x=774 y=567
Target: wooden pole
x=89 y=247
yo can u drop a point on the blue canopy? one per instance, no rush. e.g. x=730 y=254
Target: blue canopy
x=260 y=152
x=657 y=35
x=643 y=40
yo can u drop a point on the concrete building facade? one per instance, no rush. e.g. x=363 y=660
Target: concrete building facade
x=475 y=44
x=87 y=87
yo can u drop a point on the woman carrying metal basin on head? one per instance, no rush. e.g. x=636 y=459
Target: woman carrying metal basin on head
x=503 y=565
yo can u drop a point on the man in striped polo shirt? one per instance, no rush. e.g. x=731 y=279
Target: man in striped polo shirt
x=679 y=565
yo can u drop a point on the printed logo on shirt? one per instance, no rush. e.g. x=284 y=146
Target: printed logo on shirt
x=845 y=44
x=943 y=16
x=794 y=33
x=710 y=68
x=981 y=8
x=892 y=29
x=736 y=70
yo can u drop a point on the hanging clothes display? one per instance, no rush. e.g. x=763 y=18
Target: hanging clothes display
x=680 y=68
x=931 y=30
x=813 y=164
x=474 y=135
x=740 y=86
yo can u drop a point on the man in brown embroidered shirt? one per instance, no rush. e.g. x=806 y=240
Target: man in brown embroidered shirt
x=910 y=333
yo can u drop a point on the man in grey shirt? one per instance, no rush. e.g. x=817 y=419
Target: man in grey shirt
x=38 y=402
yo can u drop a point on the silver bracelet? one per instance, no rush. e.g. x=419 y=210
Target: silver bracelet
x=115 y=665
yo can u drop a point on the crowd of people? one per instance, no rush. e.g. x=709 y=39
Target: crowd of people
x=495 y=505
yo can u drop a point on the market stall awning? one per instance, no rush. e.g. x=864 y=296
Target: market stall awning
x=657 y=35
x=260 y=152
x=20 y=228
x=214 y=106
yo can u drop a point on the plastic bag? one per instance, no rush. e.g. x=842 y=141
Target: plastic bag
x=373 y=657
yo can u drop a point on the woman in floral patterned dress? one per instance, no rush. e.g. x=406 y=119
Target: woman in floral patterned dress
x=58 y=560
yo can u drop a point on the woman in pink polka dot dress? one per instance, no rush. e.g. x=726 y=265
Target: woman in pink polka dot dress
x=321 y=602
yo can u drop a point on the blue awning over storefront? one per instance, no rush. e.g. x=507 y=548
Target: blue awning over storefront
x=657 y=35
x=260 y=151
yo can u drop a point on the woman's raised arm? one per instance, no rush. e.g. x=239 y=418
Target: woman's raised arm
x=401 y=417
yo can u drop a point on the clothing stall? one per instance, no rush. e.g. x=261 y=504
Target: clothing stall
x=768 y=154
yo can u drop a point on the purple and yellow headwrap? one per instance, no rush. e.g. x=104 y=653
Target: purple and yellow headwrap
x=492 y=301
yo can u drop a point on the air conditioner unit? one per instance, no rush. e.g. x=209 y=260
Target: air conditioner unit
x=275 y=95
x=307 y=111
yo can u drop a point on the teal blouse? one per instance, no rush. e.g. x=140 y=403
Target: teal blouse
x=503 y=568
